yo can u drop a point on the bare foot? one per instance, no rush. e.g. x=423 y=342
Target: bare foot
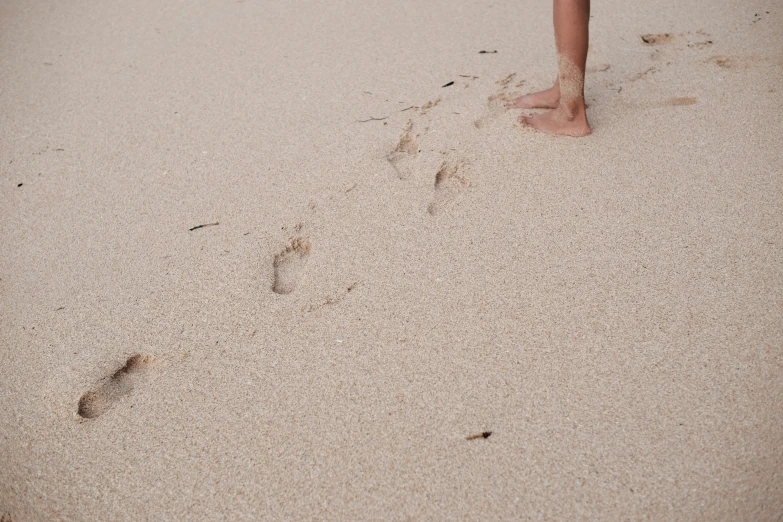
x=558 y=121
x=548 y=99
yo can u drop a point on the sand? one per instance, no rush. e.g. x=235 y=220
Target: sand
x=385 y=275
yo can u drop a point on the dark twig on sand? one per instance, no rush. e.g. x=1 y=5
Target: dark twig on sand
x=372 y=119
x=448 y=84
x=484 y=435
x=488 y=52
x=204 y=225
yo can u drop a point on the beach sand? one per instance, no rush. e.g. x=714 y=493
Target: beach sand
x=390 y=266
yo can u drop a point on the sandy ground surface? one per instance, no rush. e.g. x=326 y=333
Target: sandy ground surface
x=376 y=292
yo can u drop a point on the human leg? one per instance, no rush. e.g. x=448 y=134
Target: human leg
x=566 y=97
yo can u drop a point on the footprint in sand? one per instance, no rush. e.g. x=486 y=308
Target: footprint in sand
x=657 y=39
x=680 y=101
x=406 y=149
x=497 y=103
x=663 y=50
x=669 y=47
x=111 y=389
x=698 y=39
x=450 y=183
x=643 y=74
x=734 y=62
x=289 y=264
x=703 y=44
x=429 y=105
x=597 y=68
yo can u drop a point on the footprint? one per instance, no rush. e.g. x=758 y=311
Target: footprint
x=111 y=389
x=500 y=100
x=598 y=67
x=450 y=182
x=733 y=62
x=701 y=45
x=289 y=264
x=643 y=74
x=496 y=104
x=406 y=148
x=657 y=39
x=679 y=100
x=429 y=105
x=668 y=46
x=504 y=82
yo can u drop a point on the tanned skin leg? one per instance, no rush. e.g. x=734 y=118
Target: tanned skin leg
x=566 y=98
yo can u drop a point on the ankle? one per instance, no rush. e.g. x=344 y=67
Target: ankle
x=573 y=109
